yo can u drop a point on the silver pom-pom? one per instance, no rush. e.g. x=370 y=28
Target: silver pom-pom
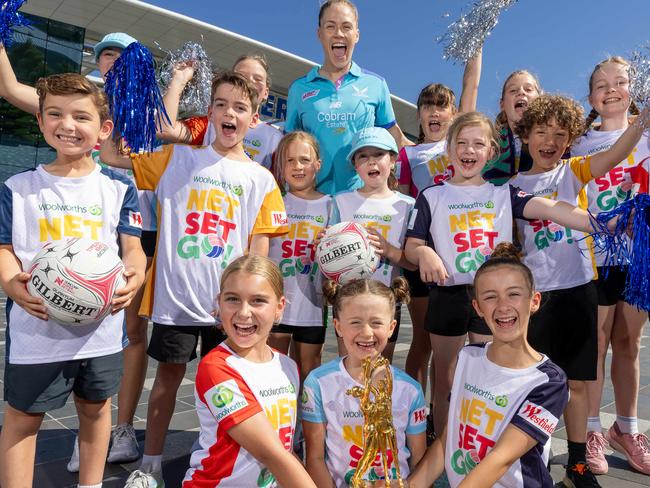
x=195 y=98
x=465 y=37
x=639 y=73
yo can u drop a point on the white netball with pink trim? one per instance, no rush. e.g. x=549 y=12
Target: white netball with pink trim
x=345 y=253
x=76 y=279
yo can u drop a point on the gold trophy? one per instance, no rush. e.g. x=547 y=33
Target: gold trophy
x=376 y=402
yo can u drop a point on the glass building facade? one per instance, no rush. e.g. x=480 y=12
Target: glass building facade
x=44 y=48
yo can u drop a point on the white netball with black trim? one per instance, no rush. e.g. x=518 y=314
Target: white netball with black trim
x=76 y=279
x=345 y=253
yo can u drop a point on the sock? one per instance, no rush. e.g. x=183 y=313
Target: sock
x=151 y=464
x=90 y=486
x=577 y=452
x=593 y=424
x=627 y=425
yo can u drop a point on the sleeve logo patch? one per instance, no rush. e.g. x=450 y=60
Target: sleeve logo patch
x=538 y=417
x=135 y=219
x=279 y=218
x=420 y=416
x=225 y=399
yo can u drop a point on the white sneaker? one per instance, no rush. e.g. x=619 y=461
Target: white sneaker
x=73 y=464
x=124 y=445
x=140 y=479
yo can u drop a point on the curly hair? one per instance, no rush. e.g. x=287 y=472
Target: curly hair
x=567 y=113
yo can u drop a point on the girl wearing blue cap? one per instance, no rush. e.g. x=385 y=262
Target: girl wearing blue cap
x=376 y=205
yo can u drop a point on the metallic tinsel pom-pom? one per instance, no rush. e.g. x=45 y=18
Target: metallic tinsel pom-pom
x=195 y=98
x=466 y=35
x=10 y=18
x=640 y=79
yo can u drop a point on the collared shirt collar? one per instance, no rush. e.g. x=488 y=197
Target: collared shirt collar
x=355 y=71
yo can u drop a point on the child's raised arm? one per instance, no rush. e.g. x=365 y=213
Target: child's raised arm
x=562 y=213
x=176 y=131
x=471 y=79
x=603 y=162
x=256 y=435
x=315 y=454
x=112 y=156
x=19 y=95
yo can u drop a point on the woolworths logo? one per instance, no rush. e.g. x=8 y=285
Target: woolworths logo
x=222 y=396
x=63 y=207
x=383 y=218
x=320 y=219
x=470 y=206
x=224 y=185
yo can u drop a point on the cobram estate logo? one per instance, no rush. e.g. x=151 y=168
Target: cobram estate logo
x=304 y=398
x=222 y=396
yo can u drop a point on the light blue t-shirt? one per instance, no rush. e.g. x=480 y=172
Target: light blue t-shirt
x=325 y=401
x=333 y=113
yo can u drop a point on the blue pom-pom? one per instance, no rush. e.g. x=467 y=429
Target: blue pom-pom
x=9 y=19
x=620 y=250
x=134 y=98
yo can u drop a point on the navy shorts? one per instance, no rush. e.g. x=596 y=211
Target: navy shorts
x=177 y=343
x=450 y=312
x=39 y=388
x=304 y=334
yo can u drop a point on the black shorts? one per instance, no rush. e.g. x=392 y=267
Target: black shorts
x=397 y=317
x=148 y=241
x=299 y=333
x=450 y=312
x=419 y=289
x=177 y=343
x=611 y=284
x=565 y=328
x=39 y=388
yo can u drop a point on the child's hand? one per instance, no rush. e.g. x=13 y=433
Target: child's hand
x=319 y=237
x=183 y=72
x=16 y=289
x=432 y=269
x=126 y=294
x=381 y=245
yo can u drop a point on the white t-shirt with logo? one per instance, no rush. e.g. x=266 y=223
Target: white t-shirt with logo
x=294 y=255
x=423 y=165
x=37 y=207
x=487 y=398
x=259 y=142
x=463 y=224
x=210 y=206
x=389 y=216
x=554 y=253
x=324 y=401
x=622 y=182
x=229 y=390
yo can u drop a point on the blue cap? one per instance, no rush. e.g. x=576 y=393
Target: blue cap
x=372 y=137
x=114 y=39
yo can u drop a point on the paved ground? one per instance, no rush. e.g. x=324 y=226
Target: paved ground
x=57 y=435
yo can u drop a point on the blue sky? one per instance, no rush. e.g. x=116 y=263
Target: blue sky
x=559 y=40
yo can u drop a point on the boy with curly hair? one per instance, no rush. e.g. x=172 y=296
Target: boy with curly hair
x=565 y=328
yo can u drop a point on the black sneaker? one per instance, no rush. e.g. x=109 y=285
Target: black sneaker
x=579 y=476
x=431 y=431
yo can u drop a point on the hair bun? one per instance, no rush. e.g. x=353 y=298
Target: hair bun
x=401 y=290
x=330 y=290
x=506 y=250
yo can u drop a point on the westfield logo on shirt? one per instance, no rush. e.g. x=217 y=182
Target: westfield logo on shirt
x=538 y=417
